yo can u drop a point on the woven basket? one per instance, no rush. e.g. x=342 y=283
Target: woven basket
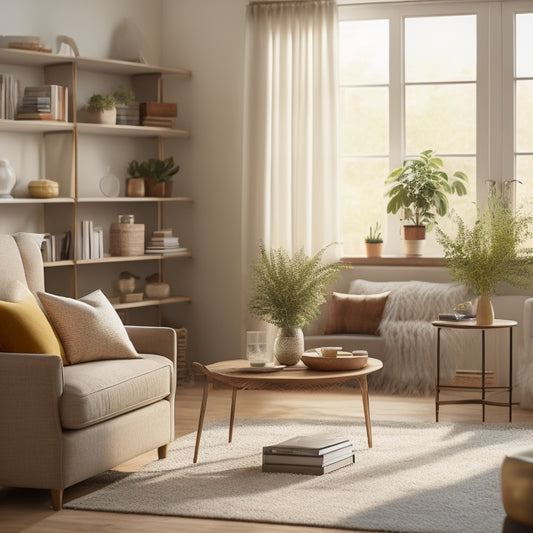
x=183 y=374
x=127 y=239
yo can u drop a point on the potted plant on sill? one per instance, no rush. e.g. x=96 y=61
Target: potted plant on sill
x=490 y=252
x=159 y=174
x=287 y=292
x=101 y=109
x=420 y=188
x=374 y=241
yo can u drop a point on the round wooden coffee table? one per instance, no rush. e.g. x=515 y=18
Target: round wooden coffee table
x=237 y=375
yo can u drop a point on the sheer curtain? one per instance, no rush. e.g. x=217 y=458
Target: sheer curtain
x=290 y=192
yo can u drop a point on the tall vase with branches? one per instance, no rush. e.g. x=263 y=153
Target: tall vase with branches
x=490 y=252
x=287 y=292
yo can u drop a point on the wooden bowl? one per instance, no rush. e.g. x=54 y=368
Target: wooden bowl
x=344 y=362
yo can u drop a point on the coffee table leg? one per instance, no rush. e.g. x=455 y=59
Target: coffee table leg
x=366 y=407
x=201 y=419
x=232 y=415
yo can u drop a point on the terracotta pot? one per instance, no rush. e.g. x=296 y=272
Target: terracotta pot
x=414 y=239
x=136 y=187
x=373 y=249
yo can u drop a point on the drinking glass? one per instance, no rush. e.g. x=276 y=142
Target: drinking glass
x=256 y=348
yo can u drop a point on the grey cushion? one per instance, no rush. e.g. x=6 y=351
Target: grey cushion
x=100 y=390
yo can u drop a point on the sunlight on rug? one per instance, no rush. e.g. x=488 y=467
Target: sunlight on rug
x=417 y=478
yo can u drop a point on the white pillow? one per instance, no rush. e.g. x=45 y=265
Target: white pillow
x=89 y=328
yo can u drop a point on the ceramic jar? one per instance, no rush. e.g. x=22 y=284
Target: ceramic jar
x=7 y=179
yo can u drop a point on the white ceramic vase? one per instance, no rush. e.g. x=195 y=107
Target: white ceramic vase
x=7 y=179
x=289 y=345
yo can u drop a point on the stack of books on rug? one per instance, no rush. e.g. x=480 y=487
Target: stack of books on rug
x=163 y=242
x=158 y=114
x=313 y=454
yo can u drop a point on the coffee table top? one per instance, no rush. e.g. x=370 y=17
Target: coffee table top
x=235 y=374
x=471 y=324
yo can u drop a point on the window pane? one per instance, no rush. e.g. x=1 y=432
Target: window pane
x=364 y=52
x=362 y=200
x=464 y=206
x=524 y=45
x=365 y=121
x=524 y=116
x=440 y=48
x=441 y=118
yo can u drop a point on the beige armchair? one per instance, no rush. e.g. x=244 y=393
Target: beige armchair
x=63 y=424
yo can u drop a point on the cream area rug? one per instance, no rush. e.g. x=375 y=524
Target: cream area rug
x=426 y=477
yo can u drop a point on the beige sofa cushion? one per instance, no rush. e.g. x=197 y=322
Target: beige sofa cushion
x=89 y=328
x=100 y=390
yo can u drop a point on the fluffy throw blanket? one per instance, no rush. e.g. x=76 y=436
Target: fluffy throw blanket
x=409 y=359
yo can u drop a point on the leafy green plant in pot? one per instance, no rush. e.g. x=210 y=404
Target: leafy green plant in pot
x=490 y=252
x=136 y=186
x=420 y=189
x=374 y=241
x=287 y=292
x=159 y=173
x=101 y=109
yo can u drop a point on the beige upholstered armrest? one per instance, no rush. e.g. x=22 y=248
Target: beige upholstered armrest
x=153 y=339
x=30 y=388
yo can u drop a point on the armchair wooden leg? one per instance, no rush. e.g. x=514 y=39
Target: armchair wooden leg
x=57 y=499
x=162 y=451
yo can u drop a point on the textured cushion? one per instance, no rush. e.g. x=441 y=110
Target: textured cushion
x=89 y=328
x=99 y=390
x=24 y=328
x=354 y=313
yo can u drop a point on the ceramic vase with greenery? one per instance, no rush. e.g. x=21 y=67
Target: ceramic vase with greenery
x=136 y=183
x=490 y=252
x=101 y=109
x=420 y=189
x=374 y=241
x=287 y=292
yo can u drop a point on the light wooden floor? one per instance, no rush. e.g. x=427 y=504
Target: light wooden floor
x=29 y=510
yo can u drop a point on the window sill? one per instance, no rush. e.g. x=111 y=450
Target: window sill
x=394 y=261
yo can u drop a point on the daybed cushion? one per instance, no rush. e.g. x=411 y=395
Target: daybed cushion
x=89 y=328
x=355 y=313
x=100 y=390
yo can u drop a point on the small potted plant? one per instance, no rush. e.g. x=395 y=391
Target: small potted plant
x=374 y=241
x=136 y=182
x=287 y=292
x=127 y=107
x=159 y=174
x=101 y=109
x=420 y=189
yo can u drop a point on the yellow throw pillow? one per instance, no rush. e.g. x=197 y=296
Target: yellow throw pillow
x=89 y=328
x=24 y=327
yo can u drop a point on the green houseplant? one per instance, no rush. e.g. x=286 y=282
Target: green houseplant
x=490 y=252
x=101 y=109
x=287 y=292
x=156 y=173
x=136 y=182
x=374 y=241
x=420 y=189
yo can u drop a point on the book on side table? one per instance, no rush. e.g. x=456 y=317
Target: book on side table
x=315 y=455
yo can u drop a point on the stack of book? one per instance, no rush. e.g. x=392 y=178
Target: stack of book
x=158 y=114
x=91 y=241
x=44 y=102
x=9 y=89
x=313 y=454
x=25 y=42
x=128 y=114
x=163 y=242
x=56 y=247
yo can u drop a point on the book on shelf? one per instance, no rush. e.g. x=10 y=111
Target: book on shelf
x=165 y=250
x=90 y=241
x=307 y=445
x=44 y=102
x=165 y=240
x=162 y=232
x=310 y=460
x=56 y=247
x=309 y=469
x=9 y=89
x=165 y=123
x=159 y=109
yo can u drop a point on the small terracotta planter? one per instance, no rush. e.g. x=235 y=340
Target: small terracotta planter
x=414 y=238
x=373 y=249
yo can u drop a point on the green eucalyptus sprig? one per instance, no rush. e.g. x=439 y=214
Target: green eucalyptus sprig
x=287 y=291
x=492 y=250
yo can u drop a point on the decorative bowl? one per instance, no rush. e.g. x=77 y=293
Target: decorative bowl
x=343 y=362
